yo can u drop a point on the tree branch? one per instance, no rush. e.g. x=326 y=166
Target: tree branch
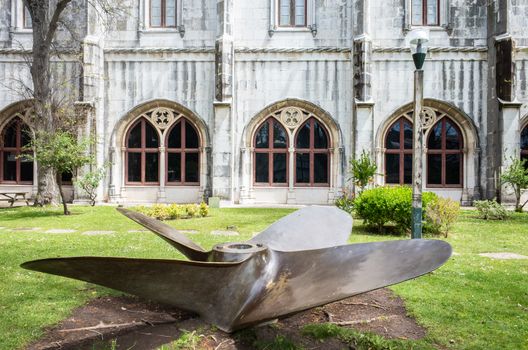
x=54 y=22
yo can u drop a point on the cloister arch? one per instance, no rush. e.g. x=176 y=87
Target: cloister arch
x=162 y=115
x=291 y=115
x=436 y=111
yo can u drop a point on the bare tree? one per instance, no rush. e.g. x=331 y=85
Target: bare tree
x=51 y=101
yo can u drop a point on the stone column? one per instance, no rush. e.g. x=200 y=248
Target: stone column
x=510 y=116
x=291 y=177
x=162 y=197
x=223 y=123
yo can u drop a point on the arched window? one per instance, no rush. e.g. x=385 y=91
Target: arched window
x=142 y=154
x=524 y=144
x=398 y=153
x=271 y=154
x=444 y=155
x=13 y=168
x=183 y=154
x=311 y=154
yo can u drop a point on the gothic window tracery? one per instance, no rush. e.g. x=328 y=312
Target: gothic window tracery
x=444 y=155
x=13 y=168
x=271 y=154
x=524 y=145
x=183 y=154
x=142 y=154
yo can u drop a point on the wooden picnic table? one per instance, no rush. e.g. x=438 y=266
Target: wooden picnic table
x=12 y=197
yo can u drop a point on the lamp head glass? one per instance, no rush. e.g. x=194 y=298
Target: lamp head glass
x=419 y=43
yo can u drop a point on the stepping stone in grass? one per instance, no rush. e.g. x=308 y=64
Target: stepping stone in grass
x=97 y=233
x=191 y=232
x=504 y=256
x=224 y=233
x=58 y=230
x=25 y=229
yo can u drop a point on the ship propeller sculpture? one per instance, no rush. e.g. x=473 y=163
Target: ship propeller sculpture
x=300 y=261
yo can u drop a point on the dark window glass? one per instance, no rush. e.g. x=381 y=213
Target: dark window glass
x=453 y=169
x=407 y=169
x=151 y=167
x=435 y=138
x=134 y=167
x=302 y=167
x=26 y=170
x=66 y=177
x=191 y=167
x=174 y=167
x=524 y=139
x=525 y=157
x=262 y=137
x=393 y=137
x=407 y=135
x=134 y=138
x=303 y=136
x=10 y=135
x=9 y=166
x=452 y=136
x=320 y=139
x=25 y=137
x=392 y=171
x=280 y=140
x=191 y=137
x=175 y=136
x=434 y=169
x=279 y=167
x=262 y=167
x=151 y=136
x=321 y=168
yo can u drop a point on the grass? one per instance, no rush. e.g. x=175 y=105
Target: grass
x=472 y=302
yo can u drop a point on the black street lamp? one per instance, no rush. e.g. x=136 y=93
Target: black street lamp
x=418 y=41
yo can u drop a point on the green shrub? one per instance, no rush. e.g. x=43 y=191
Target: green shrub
x=192 y=210
x=491 y=210
x=440 y=215
x=204 y=209
x=390 y=204
x=345 y=202
x=174 y=211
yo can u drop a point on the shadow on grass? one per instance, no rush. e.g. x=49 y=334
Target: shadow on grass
x=21 y=213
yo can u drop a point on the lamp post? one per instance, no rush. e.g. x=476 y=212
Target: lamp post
x=418 y=40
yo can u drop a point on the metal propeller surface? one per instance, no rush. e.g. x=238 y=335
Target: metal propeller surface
x=299 y=262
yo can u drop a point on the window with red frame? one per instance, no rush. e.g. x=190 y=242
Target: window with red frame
x=13 y=168
x=292 y=13
x=271 y=154
x=524 y=145
x=312 y=160
x=142 y=154
x=398 y=153
x=444 y=155
x=183 y=154
x=425 y=12
x=163 y=13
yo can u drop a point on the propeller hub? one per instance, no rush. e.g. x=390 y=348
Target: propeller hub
x=236 y=251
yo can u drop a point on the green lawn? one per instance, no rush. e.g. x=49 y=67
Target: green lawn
x=470 y=303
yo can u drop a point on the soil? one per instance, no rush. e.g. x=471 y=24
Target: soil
x=133 y=323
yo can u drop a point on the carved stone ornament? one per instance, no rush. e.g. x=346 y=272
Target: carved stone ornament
x=291 y=117
x=428 y=118
x=162 y=117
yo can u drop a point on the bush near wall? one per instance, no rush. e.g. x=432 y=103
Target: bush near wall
x=389 y=204
x=175 y=211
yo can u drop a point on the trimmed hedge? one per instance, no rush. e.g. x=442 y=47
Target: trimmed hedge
x=175 y=211
x=389 y=204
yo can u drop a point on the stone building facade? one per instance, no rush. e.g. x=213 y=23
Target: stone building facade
x=266 y=101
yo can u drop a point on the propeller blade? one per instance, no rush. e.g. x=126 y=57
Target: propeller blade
x=216 y=291
x=178 y=240
x=308 y=228
x=311 y=278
